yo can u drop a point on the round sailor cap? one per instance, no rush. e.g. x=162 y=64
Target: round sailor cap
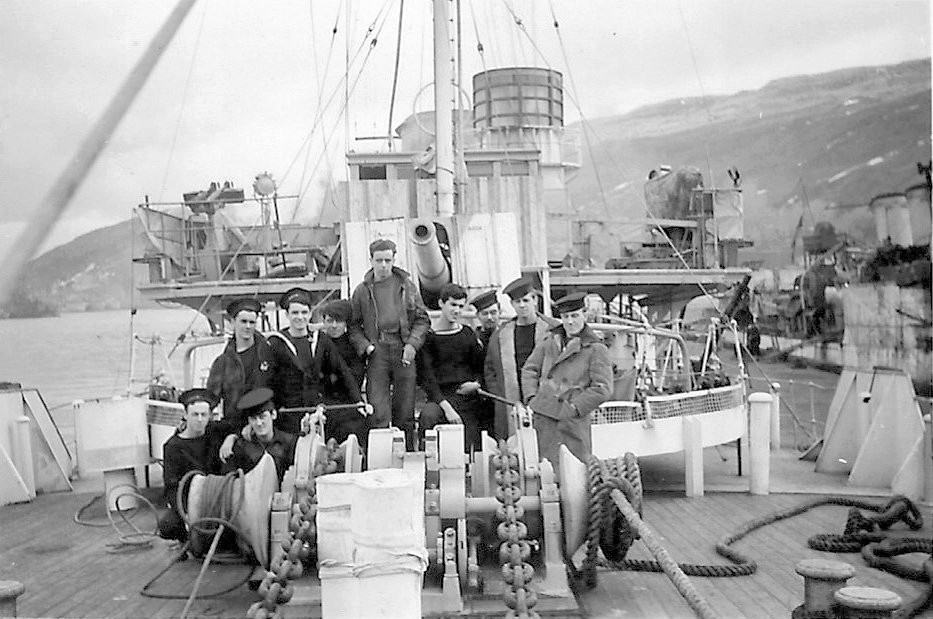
x=484 y=300
x=197 y=395
x=570 y=303
x=519 y=288
x=295 y=295
x=238 y=305
x=255 y=402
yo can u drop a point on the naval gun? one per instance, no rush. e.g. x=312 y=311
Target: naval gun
x=496 y=524
x=432 y=265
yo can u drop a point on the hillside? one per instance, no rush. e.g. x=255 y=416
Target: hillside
x=835 y=139
x=832 y=139
x=92 y=272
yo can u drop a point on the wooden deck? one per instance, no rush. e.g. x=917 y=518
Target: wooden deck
x=68 y=571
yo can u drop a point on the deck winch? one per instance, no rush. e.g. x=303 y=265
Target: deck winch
x=496 y=524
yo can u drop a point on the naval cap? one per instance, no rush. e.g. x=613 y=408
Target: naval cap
x=197 y=395
x=519 y=288
x=484 y=300
x=255 y=402
x=570 y=303
x=295 y=295
x=246 y=304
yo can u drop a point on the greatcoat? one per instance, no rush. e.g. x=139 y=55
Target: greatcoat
x=563 y=384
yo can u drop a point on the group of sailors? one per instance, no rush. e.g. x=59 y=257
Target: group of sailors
x=382 y=338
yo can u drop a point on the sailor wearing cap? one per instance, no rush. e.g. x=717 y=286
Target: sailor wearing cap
x=301 y=355
x=510 y=346
x=566 y=377
x=189 y=449
x=486 y=306
x=246 y=363
x=257 y=406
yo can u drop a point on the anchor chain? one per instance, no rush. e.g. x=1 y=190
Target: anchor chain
x=515 y=549
x=298 y=546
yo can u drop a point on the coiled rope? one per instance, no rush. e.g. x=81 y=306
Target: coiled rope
x=126 y=542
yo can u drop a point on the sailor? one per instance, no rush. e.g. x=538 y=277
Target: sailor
x=245 y=364
x=302 y=356
x=191 y=448
x=566 y=377
x=510 y=346
x=451 y=369
x=486 y=305
x=258 y=407
x=341 y=375
x=388 y=325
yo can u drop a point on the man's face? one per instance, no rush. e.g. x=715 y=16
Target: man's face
x=244 y=324
x=573 y=321
x=298 y=316
x=261 y=424
x=525 y=306
x=489 y=317
x=382 y=262
x=334 y=327
x=451 y=308
x=197 y=414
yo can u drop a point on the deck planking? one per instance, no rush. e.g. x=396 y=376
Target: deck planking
x=68 y=573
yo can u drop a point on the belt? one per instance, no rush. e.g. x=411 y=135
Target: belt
x=389 y=337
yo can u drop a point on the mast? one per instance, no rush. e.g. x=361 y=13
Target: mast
x=443 y=115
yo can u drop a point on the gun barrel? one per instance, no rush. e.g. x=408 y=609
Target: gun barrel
x=433 y=270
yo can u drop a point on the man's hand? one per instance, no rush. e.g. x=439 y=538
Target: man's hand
x=365 y=409
x=408 y=354
x=312 y=419
x=247 y=432
x=468 y=388
x=451 y=413
x=226 y=449
x=370 y=349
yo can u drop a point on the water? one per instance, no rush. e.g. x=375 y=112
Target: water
x=87 y=355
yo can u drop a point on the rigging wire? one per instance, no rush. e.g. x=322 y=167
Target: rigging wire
x=398 y=53
x=184 y=100
x=583 y=120
x=350 y=91
x=523 y=30
x=320 y=80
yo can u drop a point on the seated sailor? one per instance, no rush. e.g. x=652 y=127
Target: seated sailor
x=191 y=448
x=257 y=406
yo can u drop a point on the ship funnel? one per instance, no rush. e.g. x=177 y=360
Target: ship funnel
x=433 y=269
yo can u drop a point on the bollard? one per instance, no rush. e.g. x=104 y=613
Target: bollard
x=821 y=579
x=866 y=603
x=9 y=591
x=759 y=427
x=776 y=416
x=22 y=454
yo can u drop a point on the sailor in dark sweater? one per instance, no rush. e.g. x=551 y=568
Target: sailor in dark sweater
x=192 y=448
x=451 y=368
x=335 y=387
x=303 y=358
x=486 y=306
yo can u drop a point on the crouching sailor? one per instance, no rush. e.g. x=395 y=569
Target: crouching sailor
x=566 y=377
x=192 y=448
x=264 y=437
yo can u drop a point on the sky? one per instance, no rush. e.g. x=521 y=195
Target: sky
x=247 y=87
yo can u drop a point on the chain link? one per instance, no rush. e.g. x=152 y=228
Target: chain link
x=515 y=549
x=299 y=545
